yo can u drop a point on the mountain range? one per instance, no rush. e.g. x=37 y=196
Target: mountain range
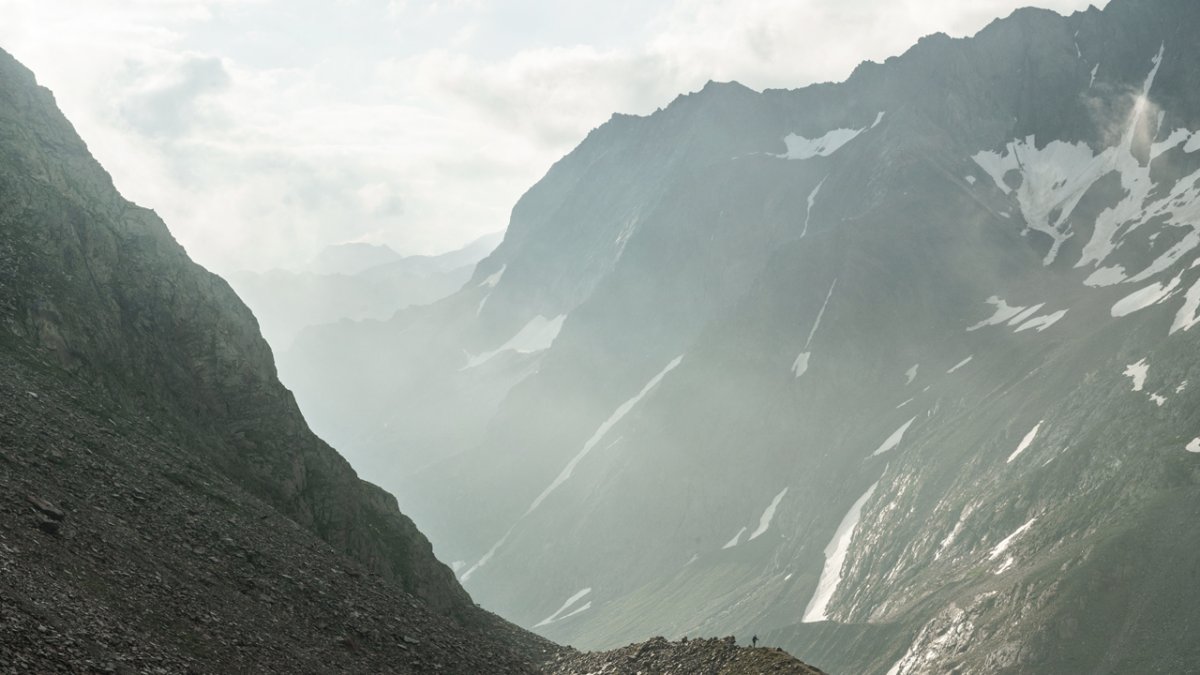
x=352 y=281
x=164 y=506
x=899 y=372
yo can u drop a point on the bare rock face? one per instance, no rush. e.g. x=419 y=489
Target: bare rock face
x=163 y=505
x=712 y=656
x=97 y=287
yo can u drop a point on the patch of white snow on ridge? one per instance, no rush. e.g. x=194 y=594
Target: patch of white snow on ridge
x=765 y=520
x=582 y=608
x=1004 y=312
x=566 y=605
x=894 y=440
x=970 y=180
x=1092 y=81
x=1168 y=259
x=737 y=538
x=603 y=429
x=487 y=557
x=1024 y=316
x=1041 y=323
x=1137 y=372
x=911 y=374
x=878 y=118
x=1054 y=179
x=799 y=147
x=1159 y=400
x=1189 y=313
x=1105 y=276
x=1145 y=297
x=536 y=336
x=999 y=549
x=835 y=559
x=800 y=365
x=960 y=364
x=1194 y=446
x=958 y=527
x=1172 y=141
x=812 y=199
x=1025 y=442
x=1193 y=143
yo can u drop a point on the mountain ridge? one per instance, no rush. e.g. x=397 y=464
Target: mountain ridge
x=876 y=291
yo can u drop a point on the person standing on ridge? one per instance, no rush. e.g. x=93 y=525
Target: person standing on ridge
x=754 y=641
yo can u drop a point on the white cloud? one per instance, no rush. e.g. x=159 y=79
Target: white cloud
x=264 y=129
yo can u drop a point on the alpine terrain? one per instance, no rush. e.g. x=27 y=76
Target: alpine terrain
x=164 y=508
x=900 y=374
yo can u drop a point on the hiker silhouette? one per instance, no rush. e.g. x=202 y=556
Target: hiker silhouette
x=754 y=641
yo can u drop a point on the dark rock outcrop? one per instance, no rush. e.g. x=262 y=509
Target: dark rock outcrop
x=96 y=286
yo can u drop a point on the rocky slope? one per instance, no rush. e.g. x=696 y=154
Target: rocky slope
x=685 y=657
x=899 y=372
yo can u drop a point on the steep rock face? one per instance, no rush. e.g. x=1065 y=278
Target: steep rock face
x=96 y=286
x=898 y=371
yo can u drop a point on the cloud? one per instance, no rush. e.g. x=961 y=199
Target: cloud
x=172 y=106
x=263 y=130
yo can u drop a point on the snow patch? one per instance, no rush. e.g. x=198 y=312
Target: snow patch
x=1159 y=400
x=737 y=538
x=1105 y=276
x=1189 y=313
x=812 y=199
x=970 y=180
x=999 y=549
x=1055 y=178
x=764 y=521
x=1025 y=442
x=1145 y=297
x=603 y=430
x=800 y=147
x=835 y=559
x=800 y=365
x=1004 y=312
x=1092 y=81
x=1024 y=316
x=566 y=605
x=958 y=527
x=582 y=608
x=960 y=364
x=1137 y=372
x=911 y=374
x=1194 y=446
x=1041 y=323
x=894 y=440
x=536 y=336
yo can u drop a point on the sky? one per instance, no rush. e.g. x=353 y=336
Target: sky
x=264 y=130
